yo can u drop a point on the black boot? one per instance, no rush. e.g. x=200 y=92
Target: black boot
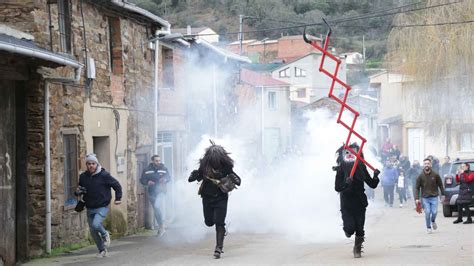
x=220 y=234
x=469 y=219
x=358 y=246
x=457 y=221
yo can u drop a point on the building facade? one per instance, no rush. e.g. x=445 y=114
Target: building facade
x=80 y=80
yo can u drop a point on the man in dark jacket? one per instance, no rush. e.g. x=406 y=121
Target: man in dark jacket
x=352 y=196
x=155 y=176
x=427 y=185
x=94 y=186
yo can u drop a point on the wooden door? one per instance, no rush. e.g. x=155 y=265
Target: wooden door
x=7 y=174
x=142 y=202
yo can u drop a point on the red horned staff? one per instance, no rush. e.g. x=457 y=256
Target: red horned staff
x=342 y=102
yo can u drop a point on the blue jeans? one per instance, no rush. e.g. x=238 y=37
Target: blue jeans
x=156 y=204
x=95 y=217
x=430 y=205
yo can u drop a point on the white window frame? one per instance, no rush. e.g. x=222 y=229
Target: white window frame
x=271 y=100
x=285 y=73
x=299 y=72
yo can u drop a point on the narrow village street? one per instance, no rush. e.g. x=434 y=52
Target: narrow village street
x=395 y=236
x=165 y=124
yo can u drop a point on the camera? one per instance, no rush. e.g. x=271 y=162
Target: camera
x=80 y=191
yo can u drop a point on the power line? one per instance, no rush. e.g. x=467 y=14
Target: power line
x=398 y=12
x=378 y=11
x=371 y=15
x=434 y=24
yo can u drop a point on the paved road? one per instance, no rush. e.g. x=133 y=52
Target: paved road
x=396 y=236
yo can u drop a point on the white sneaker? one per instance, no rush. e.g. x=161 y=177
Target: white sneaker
x=102 y=254
x=434 y=225
x=401 y=205
x=161 y=231
x=107 y=239
x=429 y=231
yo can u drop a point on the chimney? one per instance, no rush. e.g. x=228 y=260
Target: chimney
x=188 y=29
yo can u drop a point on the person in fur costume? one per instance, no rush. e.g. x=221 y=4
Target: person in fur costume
x=218 y=179
x=352 y=197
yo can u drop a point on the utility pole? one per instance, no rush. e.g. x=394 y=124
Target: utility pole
x=363 y=47
x=241 y=34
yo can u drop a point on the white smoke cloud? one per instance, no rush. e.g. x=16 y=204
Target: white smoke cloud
x=294 y=197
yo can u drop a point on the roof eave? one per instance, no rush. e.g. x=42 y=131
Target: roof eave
x=143 y=12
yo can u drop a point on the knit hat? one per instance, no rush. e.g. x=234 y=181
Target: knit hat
x=92 y=158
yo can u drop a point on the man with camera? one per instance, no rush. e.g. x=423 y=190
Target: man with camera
x=94 y=187
x=155 y=176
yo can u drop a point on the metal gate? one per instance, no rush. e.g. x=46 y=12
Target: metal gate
x=7 y=174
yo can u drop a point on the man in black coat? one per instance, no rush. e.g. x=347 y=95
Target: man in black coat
x=218 y=178
x=155 y=176
x=94 y=186
x=351 y=191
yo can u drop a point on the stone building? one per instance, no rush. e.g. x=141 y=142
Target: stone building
x=85 y=69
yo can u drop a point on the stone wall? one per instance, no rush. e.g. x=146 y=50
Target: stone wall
x=132 y=90
x=138 y=61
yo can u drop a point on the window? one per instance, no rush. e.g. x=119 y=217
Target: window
x=301 y=93
x=165 y=149
x=164 y=137
x=467 y=141
x=70 y=167
x=300 y=72
x=285 y=73
x=271 y=100
x=64 y=16
x=168 y=68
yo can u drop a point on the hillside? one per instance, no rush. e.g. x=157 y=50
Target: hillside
x=223 y=17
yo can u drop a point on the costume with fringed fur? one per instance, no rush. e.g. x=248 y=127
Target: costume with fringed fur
x=351 y=193
x=214 y=167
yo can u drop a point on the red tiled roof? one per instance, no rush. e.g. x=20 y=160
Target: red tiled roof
x=259 y=79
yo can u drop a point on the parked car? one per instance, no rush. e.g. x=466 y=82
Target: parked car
x=451 y=188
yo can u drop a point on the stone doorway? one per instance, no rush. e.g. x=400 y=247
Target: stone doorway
x=7 y=173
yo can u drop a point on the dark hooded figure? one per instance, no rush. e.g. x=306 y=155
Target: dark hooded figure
x=352 y=196
x=218 y=178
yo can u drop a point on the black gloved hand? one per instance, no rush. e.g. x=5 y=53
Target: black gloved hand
x=349 y=180
x=80 y=191
x=235 y=178
x=376 y=173
x=193 y=176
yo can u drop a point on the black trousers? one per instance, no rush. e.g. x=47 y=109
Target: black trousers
x=402 y=195
x=215 y=210
x=353 y=221
x=466 y=207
